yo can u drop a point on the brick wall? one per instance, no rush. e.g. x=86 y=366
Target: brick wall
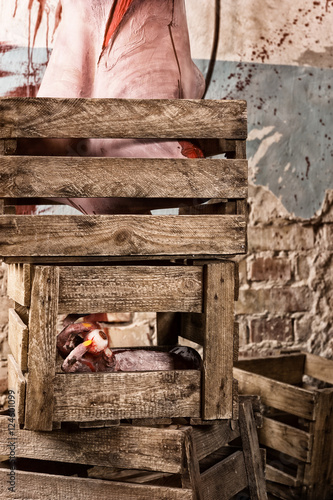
x=286 y=293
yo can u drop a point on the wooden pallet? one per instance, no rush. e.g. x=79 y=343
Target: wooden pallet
x=171 y=462
x=213 y=230
x=44 y=394
x=298 y=423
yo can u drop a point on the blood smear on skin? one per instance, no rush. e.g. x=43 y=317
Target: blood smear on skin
x=116 y=15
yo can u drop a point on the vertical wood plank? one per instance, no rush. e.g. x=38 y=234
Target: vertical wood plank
x=168 y=327
x=252 y=458
x=193 y=479
x=16 y=383
x=219 y=339
x=42 y=348
x=241 y=205
x=19 y=283
x=18 y=338
x=318 y=474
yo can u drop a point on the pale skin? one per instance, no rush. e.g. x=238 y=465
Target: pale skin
x=147 y=56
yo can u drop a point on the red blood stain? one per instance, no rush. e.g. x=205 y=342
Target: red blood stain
x=117 y=13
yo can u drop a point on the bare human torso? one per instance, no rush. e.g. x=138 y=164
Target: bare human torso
x=121 y=49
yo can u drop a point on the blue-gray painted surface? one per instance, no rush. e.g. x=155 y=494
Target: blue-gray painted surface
x=292 y=107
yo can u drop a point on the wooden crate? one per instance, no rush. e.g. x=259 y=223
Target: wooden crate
x=210 y=230
x=44 y=394
x=298 y=423
x=176 y=462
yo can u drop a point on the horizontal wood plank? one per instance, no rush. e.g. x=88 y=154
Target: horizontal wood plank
x=209 y=439
x=18 y=339
x=146 y=447
x=288 y=369
x=16 y=383
x=131 y=118
x=91 y=235
x=278 y=476
x=129 y=288
x=84 y=397
x=319 y=367
x=35 y=176
x=279 y=395
x=19 y=282
x=225 y=479
x=38 y=486
x=285 y=438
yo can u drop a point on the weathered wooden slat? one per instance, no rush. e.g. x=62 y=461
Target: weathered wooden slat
x=17 y=383
x=192 y=477
x=287 y=439
x=288 y=369
x=130 y=288
x=252 y=458
x=218 y=346
x=147 y=118
x=37 y=176
x=220 y=434
x=19 y=283
x=283 y=492
x=18 y=339
x=278 y=476
x=318 y=475
x=124 y=446
x=279 y=395
x=319 y=367
x=91 y=235
x=84 y=397
x=42 y=348
x=38 y=486
x=225 y=479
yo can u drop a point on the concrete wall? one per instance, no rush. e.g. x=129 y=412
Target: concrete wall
x=279 y=57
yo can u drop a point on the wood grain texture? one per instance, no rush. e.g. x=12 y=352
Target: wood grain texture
x=208 y=439
x=42 y=348
x=38 y=486
x=91 y=235
x=91 y=289
x=125 y=446
x=167 y=328
x=218 y=346
x=17 y=383
x=19 y=283
x=319 y=367
x=18 y=339
x=84 y=397
x=288 y=369
x=225 y=479
x=318 y=476
x=146 y=118
x=35 y=176
x=278 y=476
x=287 y=439
x=8 y=146
x=252 y=458
x=279 y=395
x=193 y=468
x=193 y=327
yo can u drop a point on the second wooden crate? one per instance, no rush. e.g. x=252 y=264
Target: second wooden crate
x=298 y=424
x=44 y=394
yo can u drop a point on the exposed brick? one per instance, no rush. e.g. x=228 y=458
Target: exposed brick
x=278 y=269
x=278 y=300
x=290 y=299
x=252 y=301
x=288 y=237
x=302 y=267
x=302 y=328
x=271 y=329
